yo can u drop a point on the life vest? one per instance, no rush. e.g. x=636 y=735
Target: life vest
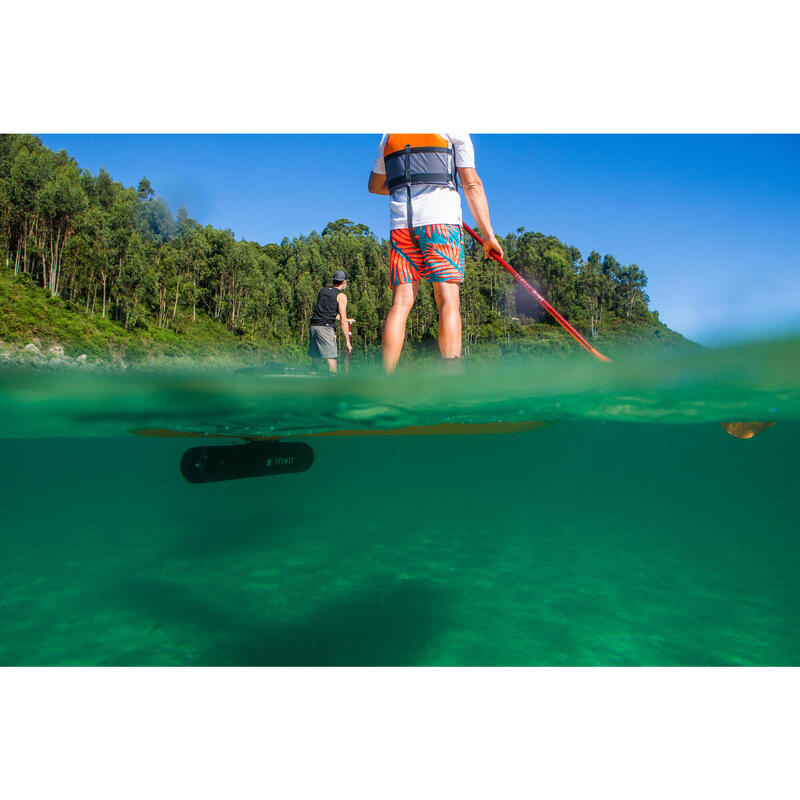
x=418 y=159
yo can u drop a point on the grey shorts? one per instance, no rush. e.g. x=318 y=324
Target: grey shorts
x=322 y=342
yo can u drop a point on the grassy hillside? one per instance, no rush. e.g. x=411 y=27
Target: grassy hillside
x=28 y=314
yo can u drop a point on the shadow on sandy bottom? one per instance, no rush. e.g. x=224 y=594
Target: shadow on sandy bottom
x=211 y=538
x=386 y=625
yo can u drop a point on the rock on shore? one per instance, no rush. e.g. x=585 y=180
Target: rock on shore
x=38 y=356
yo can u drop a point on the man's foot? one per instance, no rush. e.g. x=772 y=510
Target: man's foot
x=454 y=365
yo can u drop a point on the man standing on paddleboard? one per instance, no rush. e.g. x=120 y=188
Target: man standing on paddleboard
x=420 y=172
x=331 y=305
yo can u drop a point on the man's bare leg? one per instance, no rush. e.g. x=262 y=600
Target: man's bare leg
x=333 y=365
x=315 y=364
x=448 y=299
x=394 y=331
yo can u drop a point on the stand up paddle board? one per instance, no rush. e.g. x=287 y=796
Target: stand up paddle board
x=443 y=429
x=269 y=455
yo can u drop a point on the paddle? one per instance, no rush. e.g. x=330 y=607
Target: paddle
x=350 y=324
x=538 y=297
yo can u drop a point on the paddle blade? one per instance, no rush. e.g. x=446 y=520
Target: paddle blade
x=745 y=430
x=251 y=460
x=598 y=355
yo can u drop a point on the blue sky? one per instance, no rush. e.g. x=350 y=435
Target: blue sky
x=713 y=220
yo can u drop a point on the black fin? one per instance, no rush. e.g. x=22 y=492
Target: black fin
x=251 y=460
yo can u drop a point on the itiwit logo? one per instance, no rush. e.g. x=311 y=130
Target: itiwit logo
x=286 y=461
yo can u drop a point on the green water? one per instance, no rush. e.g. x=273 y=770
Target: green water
x=632 y=531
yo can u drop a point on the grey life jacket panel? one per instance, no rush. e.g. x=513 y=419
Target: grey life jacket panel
x=420 y=166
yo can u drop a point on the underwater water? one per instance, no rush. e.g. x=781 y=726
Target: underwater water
x=631 y=529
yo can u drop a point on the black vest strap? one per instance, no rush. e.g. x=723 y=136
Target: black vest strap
x=408 y=190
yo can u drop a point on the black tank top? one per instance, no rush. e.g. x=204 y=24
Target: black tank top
x=327 y=307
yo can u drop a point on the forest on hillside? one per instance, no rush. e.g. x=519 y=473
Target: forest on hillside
x=118 y=253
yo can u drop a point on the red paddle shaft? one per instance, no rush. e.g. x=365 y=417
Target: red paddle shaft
x=538 y=297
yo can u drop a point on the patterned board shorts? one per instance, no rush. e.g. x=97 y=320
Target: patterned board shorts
x=435 y=253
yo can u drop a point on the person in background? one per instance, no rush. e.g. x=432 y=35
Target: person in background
x=331 y=305
x=420 y=172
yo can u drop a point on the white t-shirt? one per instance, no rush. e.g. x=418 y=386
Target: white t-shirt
x=430 y=205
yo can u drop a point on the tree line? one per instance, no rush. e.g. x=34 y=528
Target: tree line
x=118 y=252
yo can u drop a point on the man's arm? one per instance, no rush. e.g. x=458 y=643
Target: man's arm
x=377 y=184
x=479 y=206
x=343 y=321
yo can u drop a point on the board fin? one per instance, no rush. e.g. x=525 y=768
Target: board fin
x=251 y=460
